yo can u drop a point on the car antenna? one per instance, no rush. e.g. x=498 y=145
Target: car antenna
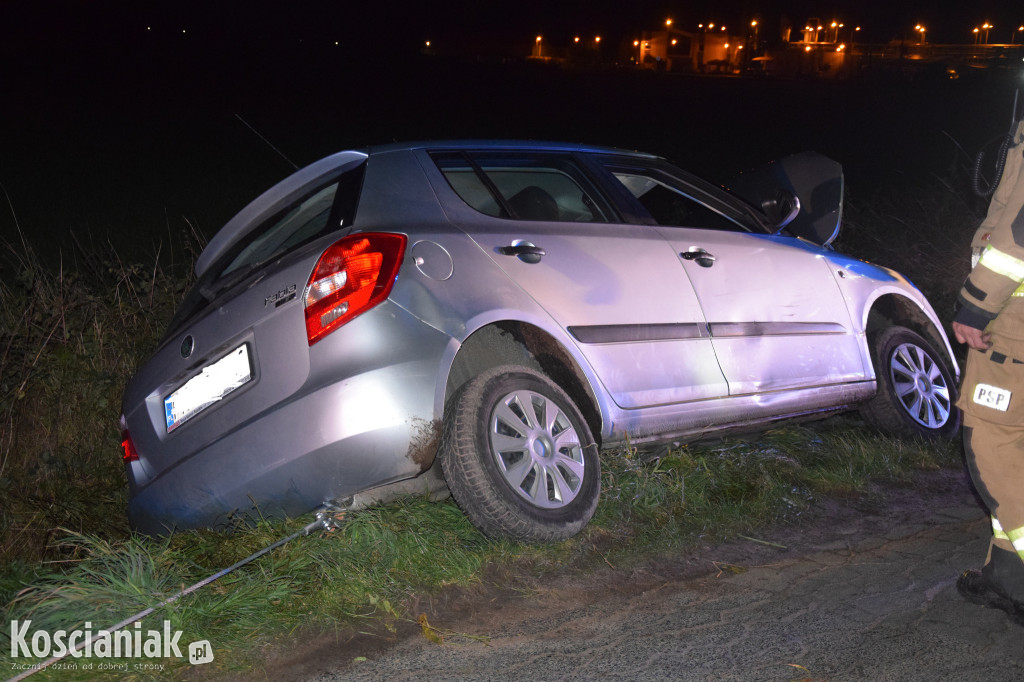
x=257 y=134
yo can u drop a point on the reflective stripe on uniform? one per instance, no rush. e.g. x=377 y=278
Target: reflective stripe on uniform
x=1019 y=291
x=1002 y=263
x=1014 y=537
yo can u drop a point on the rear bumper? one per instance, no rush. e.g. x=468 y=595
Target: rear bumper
x=329 y=443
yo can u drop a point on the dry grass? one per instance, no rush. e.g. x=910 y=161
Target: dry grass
x=70 y=337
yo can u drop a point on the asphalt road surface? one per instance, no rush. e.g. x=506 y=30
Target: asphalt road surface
x=864 y=590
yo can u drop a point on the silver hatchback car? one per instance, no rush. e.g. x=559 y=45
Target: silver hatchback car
x=483 y=317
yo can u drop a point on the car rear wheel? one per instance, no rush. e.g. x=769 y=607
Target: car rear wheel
x=916 y=389
x=519 y=458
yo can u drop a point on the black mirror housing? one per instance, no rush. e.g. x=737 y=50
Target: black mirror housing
x=802 y=193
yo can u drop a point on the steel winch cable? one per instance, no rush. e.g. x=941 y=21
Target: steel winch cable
x=327 y=518
x=981 y=187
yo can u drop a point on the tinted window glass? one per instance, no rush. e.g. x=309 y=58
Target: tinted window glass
x=523 y=186
x=298 y=224
x=329 y=206
x=669 y=204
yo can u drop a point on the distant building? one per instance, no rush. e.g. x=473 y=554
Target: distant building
x=710 y=49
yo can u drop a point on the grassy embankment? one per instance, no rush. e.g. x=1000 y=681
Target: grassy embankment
x=72 y=337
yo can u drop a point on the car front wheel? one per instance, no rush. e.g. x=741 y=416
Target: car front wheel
x=519 y=458
x=916 y=389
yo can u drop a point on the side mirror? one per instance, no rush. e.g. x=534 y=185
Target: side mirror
x=803 y=193
x=782 y=208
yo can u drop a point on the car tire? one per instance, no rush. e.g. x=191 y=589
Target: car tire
x=519 y=458
x=916 y=389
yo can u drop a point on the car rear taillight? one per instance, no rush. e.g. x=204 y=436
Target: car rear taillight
x=130 y=453
x=352 y=276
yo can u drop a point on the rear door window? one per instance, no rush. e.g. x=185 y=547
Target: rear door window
x=524 y=186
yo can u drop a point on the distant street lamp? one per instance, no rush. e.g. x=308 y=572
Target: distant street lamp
x=987 y=27
x=920 y=29
x=1013 y=36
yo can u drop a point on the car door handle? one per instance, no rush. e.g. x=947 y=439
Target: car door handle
x=524 y=251
x=702 y=257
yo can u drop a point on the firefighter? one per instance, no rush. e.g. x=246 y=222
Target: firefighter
x=990 y=320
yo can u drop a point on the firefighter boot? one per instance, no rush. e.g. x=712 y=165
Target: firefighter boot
x=977 y=589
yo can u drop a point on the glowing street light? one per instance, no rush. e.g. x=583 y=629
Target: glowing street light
x=921 y=29
x=986 y=27
x=1013 y=36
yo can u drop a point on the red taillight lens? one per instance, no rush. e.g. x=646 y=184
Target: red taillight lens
x=352 y=276
x=130 y=454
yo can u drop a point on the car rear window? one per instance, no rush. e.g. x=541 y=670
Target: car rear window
x=325 y=207
x=321 y=210
x=523 y=186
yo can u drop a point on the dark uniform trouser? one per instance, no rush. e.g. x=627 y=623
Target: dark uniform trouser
x=995 y=458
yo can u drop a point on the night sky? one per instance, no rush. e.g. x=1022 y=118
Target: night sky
x=129 y=108
x=93 y=24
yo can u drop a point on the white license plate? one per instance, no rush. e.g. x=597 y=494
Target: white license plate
x=204 y=389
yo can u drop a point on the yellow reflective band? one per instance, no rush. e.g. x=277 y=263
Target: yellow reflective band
x=997 y=530
x=1016 y=536
x=1002 y=263
x=1019 y=291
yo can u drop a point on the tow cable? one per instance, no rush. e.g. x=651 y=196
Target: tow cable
x=327 y=518
x=985 y=189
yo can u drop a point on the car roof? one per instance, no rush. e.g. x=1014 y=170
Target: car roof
x=510 y=144
x=235 y=228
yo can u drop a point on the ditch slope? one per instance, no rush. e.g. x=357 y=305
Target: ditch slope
x=858 y=589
